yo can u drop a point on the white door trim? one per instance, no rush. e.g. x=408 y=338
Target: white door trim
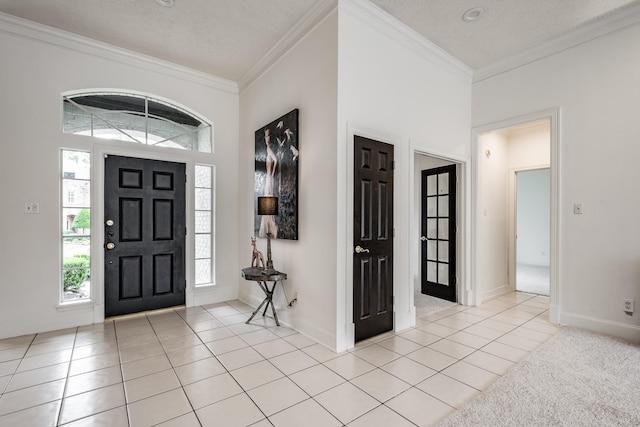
x=97 y=217
x=554 y=116
x=463 y=239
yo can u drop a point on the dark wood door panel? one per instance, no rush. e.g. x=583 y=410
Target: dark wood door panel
x=373 y=233
x=438 y=259
x=144 y=244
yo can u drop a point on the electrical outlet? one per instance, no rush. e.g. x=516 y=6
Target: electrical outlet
x=32 y=208
x=628 y=305
x=577 y=209
x=294 y=299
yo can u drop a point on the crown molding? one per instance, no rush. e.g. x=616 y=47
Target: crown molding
x=377 y=18
x=43 y=33
x=611 y=24
x=313 y=17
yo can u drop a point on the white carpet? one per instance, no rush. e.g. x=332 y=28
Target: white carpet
x=533 y=279
x=576 y=379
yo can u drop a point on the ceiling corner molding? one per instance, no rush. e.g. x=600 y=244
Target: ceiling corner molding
x=313 y=17
x=377 y=18
x=611 y=24
x=45 y=34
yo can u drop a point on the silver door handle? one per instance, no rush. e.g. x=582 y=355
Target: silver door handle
x=360 y=250
x=111 y=245
x=424 y=239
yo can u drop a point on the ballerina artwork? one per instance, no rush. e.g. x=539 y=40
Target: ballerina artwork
x=277 y=154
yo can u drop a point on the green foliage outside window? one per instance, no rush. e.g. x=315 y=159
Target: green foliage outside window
x=75 y=271
x=82 y=221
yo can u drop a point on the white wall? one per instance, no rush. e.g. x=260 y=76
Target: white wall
x=529 y=146
x=396 y=90
x=34 y=74
x=596 y=88
x=304 y=78
x=492 y=232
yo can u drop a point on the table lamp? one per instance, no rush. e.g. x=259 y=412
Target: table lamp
x=268 y=205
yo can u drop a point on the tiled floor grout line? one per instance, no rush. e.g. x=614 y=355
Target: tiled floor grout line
x=66 y=383
x=183 y=315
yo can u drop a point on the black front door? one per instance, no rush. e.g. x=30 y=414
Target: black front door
x=373 y=238
x=439 y=232
x=144 y=234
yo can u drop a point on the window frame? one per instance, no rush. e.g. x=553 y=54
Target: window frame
x=98 y=148
x=204 y=144
x=63 y=207
x=211 y=233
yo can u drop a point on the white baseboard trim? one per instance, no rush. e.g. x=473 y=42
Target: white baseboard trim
x=62 y=320
x=73 y=316
x=405 y=320
x=211 y=295
x=345 y=341
x=554 y=314
x=602 y=326
x=493 y=293
x=288 y=318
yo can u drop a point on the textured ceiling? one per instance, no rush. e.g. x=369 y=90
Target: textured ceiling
x=506 y=28
x=227 y=38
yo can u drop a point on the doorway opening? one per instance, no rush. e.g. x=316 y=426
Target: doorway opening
x=532 y=234
x=437 y=213
x=506 y=236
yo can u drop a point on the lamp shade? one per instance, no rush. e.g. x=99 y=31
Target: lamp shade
x=268 y=205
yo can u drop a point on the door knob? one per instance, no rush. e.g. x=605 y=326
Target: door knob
x=424 y=239
x=109 y=222
x=111 y=245
x=360 y=250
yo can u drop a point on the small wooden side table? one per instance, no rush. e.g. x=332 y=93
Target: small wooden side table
x=261 y=277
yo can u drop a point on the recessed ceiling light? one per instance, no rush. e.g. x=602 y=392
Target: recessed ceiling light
x=166 y=3
x=472 y=14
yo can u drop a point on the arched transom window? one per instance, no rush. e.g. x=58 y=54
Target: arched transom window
x=135 y=118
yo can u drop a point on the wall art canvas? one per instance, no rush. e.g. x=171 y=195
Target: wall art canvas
x=276 y=174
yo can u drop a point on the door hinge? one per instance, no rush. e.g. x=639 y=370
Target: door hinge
x=393 y=164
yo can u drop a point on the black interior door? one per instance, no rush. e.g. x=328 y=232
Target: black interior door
x=144 y=234
x=373 y=238
x=439 y=232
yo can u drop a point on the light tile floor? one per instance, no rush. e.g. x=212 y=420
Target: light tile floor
x=204 y=366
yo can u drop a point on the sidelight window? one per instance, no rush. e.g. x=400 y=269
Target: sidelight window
x=76 y=225
x=204 y=181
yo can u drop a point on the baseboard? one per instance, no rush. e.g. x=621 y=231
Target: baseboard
x=211 y=295
x=405 y=320
x=601 y=326
x=287 y=318
x=89 y=314
x=554 y=314
x=493 y=293
x=63 y=320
